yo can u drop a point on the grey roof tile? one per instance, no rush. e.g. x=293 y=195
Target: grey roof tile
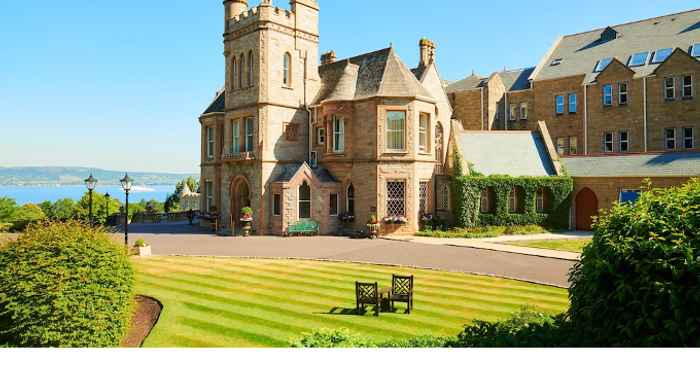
x=472 y=82
x=518 y=79
x=580 y=52
x=218 y=105
x=634 y=165
x=514 y=153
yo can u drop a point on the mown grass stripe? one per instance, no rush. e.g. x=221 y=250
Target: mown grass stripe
x=481 y=296
x=432 y=305
x=230 y=331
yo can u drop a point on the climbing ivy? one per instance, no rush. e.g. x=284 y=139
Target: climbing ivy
x=466 y=196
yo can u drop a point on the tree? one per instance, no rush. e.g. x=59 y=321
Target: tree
x=8 y=206
x=99 y=207
x=173 y=201
x=64 y=209
x=26 y=215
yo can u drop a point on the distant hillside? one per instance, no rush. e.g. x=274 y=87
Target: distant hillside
x=77 y=176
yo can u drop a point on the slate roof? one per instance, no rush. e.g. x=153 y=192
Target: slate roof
x=218 y=105
x=514 y=153
x=634 y=165
x=472 y=82
x=379 y=73
x=290 y=170
x=580 y=52
x=518 y=79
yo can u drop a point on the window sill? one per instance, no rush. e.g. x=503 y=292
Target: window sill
x=401 y=153
x=572 y=113
x=287 y=87
x=670 y=99
x=687 y=98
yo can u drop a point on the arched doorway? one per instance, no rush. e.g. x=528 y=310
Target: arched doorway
x=240 y=197
x=586 y=209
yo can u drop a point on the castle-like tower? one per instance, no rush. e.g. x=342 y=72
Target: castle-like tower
x=271 y=57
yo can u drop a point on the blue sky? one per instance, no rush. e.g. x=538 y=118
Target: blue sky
x=120 y=84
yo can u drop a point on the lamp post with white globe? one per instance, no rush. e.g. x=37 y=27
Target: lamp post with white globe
x=126 y=185
x=91 y=183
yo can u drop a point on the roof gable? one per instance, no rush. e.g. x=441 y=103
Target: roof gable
x=678 y=56
x=615 y=68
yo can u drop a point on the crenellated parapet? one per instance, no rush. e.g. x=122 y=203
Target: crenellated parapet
x=266 y=14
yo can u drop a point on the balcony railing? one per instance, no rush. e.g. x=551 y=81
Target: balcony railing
x=238 y=156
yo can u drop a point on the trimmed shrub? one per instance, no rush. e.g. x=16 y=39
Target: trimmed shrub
x=466 y=195
x=638 y=283
x=64 y=285
x=332 y=338
x=484 y=231
x=26 y=215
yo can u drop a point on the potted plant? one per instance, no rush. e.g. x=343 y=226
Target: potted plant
x=373 y=226
x=247 y=220
x=142 y=248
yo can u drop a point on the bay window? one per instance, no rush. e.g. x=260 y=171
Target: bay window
x=338 y=135
x=249 y=132
x=396 y=131
x=210 y=143
x=396 y=198
x=423 y=132
x=236 y=137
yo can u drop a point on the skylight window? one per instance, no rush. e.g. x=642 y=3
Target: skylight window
x=558 y=61
x=696 y=50
x=661 y=55
x=639 y=59
x=602 y=64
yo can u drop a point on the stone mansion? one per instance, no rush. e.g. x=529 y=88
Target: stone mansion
x=298 y=135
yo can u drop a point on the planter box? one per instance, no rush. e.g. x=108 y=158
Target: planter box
x=144 y=251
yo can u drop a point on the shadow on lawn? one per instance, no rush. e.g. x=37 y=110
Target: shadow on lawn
x=342 y=311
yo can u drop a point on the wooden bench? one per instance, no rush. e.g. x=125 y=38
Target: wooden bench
x=303 y=227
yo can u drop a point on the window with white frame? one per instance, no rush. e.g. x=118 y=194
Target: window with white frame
x=209 y=190
x=249 y=134
x=277 y=205
x=622 y=93
x=573 y=103
x=607 y=95
x=624 y=141
x=304 y=201
x=513 y=112
x=542 y=200
x=523 y=111
x=396 y=131
x=396 y=198
x=561 y=146
x=670 y=137
x=559 y=104
x=688 y=138
x=424 y=133
x=573 y=145
x=423 y=197
x=670 y=88
x=608 y=142
x=321 y=136
x=338 y=134
x=287 y=69
x=687 y=91
x=333 y=205
x=443 y=197
x=210 y=142
x=236 y=137
x=350 y=207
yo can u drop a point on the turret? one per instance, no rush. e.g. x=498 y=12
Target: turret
x=234 y=8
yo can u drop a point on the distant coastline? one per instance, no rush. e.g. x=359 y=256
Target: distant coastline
x=74 y=176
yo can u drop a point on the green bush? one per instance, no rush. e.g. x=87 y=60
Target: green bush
x=64 y=285
x=5 y=227
x=526 y=329
x=466 y=197
x=332 y=338
x=484 y=231
x=638 y=283
x=26 y=215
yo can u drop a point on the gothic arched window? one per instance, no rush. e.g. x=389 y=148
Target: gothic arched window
x=240 y=70
x=351 y=200
x=304 y=201
x=234 y=72
x=251 y=68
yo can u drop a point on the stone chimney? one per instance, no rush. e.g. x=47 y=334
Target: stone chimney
x=427 y=51
x=328 y=58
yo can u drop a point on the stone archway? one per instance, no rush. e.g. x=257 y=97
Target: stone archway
x=240 y=197
x=586 y=209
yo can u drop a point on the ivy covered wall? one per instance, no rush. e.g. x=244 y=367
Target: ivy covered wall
x=467 y=192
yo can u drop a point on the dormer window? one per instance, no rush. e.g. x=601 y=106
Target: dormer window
x=556 y=62
x=639 y=59
x=695 y=51
x=661 y=55
x=602 y=64
x=608 y=34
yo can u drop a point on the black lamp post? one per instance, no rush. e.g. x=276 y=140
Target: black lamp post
x=91 y=183
x=107 y=208
x=126 y=185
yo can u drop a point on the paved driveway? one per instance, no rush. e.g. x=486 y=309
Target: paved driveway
x=177 y=241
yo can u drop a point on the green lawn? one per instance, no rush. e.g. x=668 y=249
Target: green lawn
x=220 y=302
x=566 y=245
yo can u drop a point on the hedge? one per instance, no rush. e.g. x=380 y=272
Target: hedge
x=467 y=191
x=638 y=283
x=64 y=285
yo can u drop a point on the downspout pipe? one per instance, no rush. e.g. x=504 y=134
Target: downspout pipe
x=506 y=111
x=482 y=107
x=585 y=119
x=646 y=114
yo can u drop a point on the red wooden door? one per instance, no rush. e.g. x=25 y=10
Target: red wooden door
x=586 y=209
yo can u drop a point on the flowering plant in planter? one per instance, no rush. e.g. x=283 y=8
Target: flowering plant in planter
x=373 y=220
x=246 y=214
x=347 y=217
x=397 y=220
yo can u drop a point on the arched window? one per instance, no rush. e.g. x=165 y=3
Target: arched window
x=351 y=200
x=515 y=200
x=287 y=69
x=439 y=148
x=304 y=201
x=251 y=68
x=488 y=201
x=234 y=72
x=240 y=70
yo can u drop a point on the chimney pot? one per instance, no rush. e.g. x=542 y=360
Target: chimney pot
x=328 y=58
